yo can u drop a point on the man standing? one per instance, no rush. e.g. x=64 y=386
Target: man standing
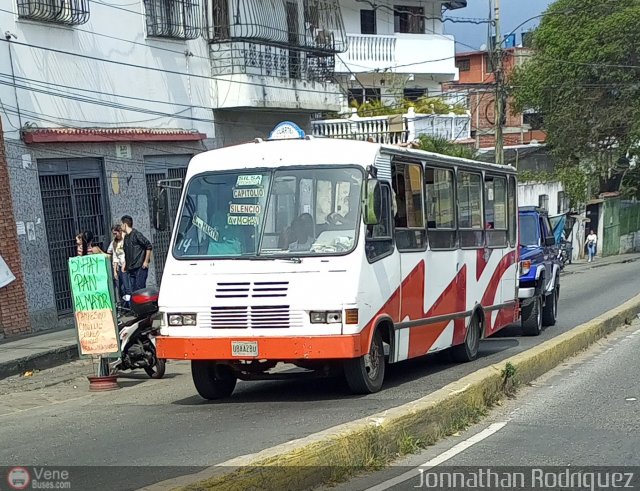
x=137 y=254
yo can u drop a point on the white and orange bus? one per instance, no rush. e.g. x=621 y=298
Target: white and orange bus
x=326 y=252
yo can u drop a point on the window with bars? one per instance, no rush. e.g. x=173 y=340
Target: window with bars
x=543 y=201
x=464 y=64
x=361 y=95
x=67 y=12
x=176 y=19
x=408 y=19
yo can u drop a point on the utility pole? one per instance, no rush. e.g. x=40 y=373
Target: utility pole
x=498 y=71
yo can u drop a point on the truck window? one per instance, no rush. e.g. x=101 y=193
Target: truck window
x=529 y=230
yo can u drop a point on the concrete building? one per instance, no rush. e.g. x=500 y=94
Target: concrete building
x=396 y=50
x=476 y=89
x=101 y=100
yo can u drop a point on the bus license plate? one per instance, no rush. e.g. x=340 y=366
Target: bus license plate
x=244 y=348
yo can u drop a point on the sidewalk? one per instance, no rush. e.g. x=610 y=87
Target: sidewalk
x=45 y=350
x=582 y=265
x=37 y=351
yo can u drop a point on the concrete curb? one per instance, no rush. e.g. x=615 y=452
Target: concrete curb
x=40 y=361
x=344 y=450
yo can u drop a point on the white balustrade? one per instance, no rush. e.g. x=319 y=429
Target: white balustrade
x=452 y=127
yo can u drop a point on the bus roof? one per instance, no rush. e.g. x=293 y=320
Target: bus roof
x=316 y=151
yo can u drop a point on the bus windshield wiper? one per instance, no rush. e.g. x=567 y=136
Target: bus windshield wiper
x=296 y=260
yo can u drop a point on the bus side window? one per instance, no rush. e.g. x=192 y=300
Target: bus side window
x=495 y=211
x=379 y=238
x=441 y=216
x=410 y=230
x=513 y=212
x=470 y=215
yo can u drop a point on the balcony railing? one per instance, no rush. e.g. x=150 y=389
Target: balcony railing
x=396 y=129
x=401 y=53
x=369 y=47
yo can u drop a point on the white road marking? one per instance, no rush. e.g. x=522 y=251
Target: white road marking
x=443 y=457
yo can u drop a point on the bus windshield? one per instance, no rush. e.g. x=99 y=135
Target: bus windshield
x=260 y=214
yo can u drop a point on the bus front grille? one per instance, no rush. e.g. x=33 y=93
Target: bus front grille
x=257 y=289
x=255 y=317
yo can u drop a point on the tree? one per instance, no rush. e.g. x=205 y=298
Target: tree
x=584 y=77
x=445 y=147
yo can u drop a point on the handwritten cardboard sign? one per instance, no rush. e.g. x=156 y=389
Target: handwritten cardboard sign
x=92 y=293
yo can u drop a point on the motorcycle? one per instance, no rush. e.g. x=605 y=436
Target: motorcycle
x=564 y=253
x=137 y=335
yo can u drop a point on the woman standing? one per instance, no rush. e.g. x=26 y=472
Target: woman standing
x=591 y=243
x=85 y=245
x=116 y=250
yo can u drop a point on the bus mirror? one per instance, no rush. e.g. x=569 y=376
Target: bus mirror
x=372 y=203
x=161 y=209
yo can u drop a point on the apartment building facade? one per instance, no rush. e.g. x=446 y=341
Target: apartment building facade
x=396 y=49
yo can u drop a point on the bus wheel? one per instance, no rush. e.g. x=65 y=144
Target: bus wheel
x=366 y=374
x=468 y=351
x=213 y=380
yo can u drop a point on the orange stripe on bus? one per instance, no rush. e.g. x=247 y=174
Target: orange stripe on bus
x=271 y=348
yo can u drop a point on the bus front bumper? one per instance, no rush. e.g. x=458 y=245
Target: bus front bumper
x=262 y=348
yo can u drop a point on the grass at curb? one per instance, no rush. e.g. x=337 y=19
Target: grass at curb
x=370 y=443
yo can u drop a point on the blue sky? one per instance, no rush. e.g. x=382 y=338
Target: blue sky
x=513 y=12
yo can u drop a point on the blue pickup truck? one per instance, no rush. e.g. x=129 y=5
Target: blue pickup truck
x=540 y=267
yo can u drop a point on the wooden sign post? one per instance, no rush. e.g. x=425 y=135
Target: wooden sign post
x=94 y=307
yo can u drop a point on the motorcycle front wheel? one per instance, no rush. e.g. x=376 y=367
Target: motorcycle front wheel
x=157 y=370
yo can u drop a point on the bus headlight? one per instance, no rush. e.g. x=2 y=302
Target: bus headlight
x=182 y=319
x=325 y=317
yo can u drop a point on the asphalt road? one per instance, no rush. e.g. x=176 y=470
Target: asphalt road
x=165 y=423
x=583 y=415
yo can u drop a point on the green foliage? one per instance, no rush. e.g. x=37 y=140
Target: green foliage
x=584 y=77
x=445 y=147
x=510 y=379
x=575 y=183
x=424 y=105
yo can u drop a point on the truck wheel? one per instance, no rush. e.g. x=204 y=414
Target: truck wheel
x=550 y=311
x=213 y=380
x=532 y=317
x=365 y=374
x=468 y=351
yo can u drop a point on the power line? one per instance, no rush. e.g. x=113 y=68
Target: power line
x=52 y=25
x=156 y=69
x=115 y=105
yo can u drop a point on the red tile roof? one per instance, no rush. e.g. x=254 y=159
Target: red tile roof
x=96 y=135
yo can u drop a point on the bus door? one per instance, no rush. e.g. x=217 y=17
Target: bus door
x=414 y=338
x=446 y=269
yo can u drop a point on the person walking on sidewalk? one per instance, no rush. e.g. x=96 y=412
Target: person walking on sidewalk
x=591 y=243
x=137 y=255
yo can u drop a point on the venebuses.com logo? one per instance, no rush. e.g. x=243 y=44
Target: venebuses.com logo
x=18 y=478
x=37 y=478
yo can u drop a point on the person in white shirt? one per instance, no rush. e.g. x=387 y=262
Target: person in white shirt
x=591 y=243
